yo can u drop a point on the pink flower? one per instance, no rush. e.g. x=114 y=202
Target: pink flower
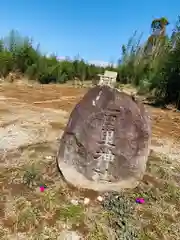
x=41 y=188
x=140 y=200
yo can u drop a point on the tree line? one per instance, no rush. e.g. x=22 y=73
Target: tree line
x=17 y=54
x=153 y=66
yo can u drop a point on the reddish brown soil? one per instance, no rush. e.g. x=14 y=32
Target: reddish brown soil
x=166 y=123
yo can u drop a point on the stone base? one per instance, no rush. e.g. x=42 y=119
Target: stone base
x=76 y=179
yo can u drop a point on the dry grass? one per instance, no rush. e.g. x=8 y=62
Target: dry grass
x=37 y=215
x=160 y=188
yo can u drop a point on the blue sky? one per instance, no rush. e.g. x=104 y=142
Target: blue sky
x=94 y=29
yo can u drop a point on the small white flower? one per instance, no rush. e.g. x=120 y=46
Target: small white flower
x=99 y=198
x=86 y=201
x=48 y=157
x=74 y=202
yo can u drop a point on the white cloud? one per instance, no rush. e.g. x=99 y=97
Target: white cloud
x=95 y=62
x=99 y=63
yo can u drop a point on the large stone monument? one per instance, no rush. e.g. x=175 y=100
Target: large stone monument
x=105 y=144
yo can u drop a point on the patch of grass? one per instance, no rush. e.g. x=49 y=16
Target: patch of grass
x=121 y=218
x=71 y=213
x=23 y=218
x=46 y=233
x=157 y=216
x=171 y=192
x=42 y=215
x=28 y=219
x=97 y=233
x=97 y=220
x=32 y=176
x=49 y=200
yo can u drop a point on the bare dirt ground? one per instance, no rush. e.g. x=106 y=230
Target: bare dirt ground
x=32 y=118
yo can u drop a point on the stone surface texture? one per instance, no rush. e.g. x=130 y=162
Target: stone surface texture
x=105 y=144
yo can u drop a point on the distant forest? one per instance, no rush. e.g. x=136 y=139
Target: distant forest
x=153 y=67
